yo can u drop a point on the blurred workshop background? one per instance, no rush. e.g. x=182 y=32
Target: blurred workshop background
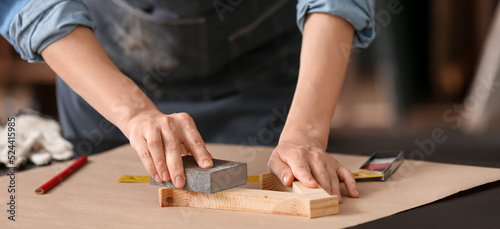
x=431 y=71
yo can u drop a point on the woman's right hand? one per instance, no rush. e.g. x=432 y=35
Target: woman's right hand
x=160 y=140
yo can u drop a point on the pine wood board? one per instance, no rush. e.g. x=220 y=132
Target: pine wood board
x=273 y=198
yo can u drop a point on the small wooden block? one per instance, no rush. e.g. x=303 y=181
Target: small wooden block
x=271 y=182
x=297 y=201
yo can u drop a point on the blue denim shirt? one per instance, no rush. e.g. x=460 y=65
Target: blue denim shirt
x=360 y=13
x=30 y=26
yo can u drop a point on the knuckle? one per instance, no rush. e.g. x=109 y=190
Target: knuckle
x=197 y=143
x=345 y=170
x=301 y=153
x=184 y=116
x=304 y=168
x=165 y=120
x=351 y=183
x=143 y=154
x=341 y=170
x=323 y=174
x=160 y=164
x=316 y=155
x=153 y=140
x=149 y=167
x=175 y=166
x=172 y=146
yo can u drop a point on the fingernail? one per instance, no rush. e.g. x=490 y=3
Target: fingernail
x=285 y=178
x=178 y=181
x=312 y=180
x=157 y=178
x=207 y=163
x=166 y=177
x=356 y=191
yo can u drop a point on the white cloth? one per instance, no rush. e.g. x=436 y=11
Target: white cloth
x=37 y=138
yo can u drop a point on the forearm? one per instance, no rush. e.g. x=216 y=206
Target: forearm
x=325 y=52
x=81 y=62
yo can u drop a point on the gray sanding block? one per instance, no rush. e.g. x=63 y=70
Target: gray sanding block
x=223 y=175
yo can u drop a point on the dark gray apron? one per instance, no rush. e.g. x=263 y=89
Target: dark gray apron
x=233 y=68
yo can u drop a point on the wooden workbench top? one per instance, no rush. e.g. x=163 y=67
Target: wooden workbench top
x=91 y=197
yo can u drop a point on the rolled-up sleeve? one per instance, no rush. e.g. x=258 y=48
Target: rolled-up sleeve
x=360 y=13
x=40 y=23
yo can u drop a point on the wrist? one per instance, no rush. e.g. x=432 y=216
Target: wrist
x=129 y=117
x=305 y=134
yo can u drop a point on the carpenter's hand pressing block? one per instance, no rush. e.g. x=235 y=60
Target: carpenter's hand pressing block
x=223 y=175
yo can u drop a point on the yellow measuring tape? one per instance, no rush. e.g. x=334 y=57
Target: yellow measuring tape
x=361 y=175
x=134 y=179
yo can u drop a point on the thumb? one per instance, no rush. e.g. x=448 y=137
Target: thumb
x=281 y=170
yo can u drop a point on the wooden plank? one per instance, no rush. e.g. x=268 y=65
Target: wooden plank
x=302 y=201
x=320 y=202
x=238 y=199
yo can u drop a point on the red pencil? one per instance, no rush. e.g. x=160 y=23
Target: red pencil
x=59 y=177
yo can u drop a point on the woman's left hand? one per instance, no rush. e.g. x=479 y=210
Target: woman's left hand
x=305 y=159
